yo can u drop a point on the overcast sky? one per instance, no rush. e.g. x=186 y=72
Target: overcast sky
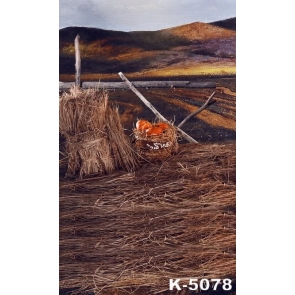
x=137 y=15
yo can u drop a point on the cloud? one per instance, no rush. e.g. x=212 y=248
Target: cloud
x=130 y=15
x=82 y=13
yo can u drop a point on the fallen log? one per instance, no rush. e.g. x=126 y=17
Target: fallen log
x=65 y=85
x=140 y=84
x=149 y=84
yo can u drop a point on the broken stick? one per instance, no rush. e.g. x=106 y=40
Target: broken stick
x=197 y=111
x=152 y=108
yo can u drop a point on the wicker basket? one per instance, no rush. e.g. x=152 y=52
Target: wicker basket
x=156 y=148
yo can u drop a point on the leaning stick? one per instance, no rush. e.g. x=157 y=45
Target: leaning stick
x=197 y=111
x=152 y=108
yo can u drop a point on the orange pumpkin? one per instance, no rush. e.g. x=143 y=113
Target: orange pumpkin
x=154 y=131
x=163 y=125
x=143 y=124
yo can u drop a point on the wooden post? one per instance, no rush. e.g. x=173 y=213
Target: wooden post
x=152 y=108
x=78 y=60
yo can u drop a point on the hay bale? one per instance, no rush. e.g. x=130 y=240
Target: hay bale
x=95 y=139
x=154 y=148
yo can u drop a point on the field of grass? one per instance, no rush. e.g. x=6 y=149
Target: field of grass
x=185 y=71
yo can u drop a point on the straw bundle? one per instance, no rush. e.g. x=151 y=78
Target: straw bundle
x=156 y=148
x=95 y=139
x=136 y=230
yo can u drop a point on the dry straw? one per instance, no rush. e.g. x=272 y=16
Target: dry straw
x=95 y=139
x=129 y=231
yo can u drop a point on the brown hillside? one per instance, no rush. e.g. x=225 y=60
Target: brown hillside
x=200 y=31
x=192 y=49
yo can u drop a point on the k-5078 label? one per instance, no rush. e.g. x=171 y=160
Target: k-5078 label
x=202 y=284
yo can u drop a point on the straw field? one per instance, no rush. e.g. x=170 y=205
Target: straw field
x=133 y=231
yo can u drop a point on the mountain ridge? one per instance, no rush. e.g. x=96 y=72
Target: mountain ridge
x=93 y=33
x=178 y=49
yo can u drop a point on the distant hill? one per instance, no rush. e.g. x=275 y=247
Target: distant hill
x=181 y=50
x=229 y=23
x=200 y=31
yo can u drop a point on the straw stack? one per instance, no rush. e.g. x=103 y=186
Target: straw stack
x=95 y=139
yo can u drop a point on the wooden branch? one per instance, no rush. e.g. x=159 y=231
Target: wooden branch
x=203 y=107
x=78 y=60
x=149 y=84
x=151 y=107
